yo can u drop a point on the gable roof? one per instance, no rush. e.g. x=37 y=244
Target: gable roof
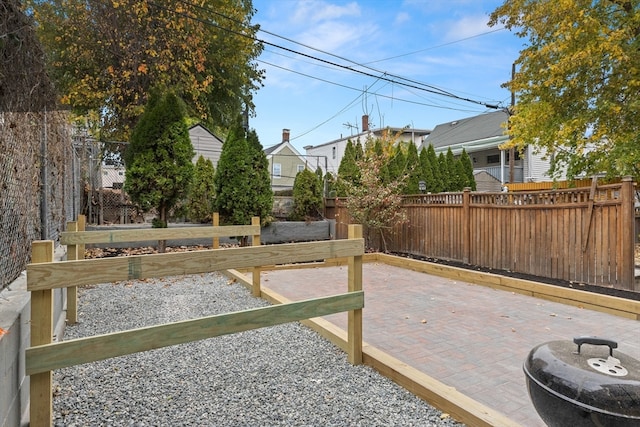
x=275 y=149
x=475 y=128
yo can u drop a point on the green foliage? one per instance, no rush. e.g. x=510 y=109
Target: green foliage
x=445 y=173
x=467 y=171
x=105 y=56
x=438 y=181
x=415 y=173
x=348 y=171
x=260 y=180
x=201 y=200
x=307 y=196
x=242 y=179
x=396 y=165
x=158 y=159
x=427 y=171
x=577 y=83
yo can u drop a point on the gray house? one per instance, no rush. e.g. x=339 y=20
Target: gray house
x=481 y=136
x=205 y=144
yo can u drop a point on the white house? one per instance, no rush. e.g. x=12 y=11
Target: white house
x=480 y=136
x=328 y=156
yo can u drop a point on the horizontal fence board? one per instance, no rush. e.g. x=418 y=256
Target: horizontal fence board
x=143 y=234
x=84 y=350
x=107 y=270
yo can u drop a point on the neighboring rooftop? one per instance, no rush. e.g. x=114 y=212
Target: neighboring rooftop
x=470 y=129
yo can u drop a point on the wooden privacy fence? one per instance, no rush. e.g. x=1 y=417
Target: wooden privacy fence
x=584 y=235
x=44 y=275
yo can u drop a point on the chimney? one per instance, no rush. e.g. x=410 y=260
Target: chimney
x=365 y=123
x=285 y=135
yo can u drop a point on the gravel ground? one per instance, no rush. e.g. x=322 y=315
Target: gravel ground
x=284 y=375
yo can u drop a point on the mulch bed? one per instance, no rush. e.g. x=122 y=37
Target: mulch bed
x=604 y=290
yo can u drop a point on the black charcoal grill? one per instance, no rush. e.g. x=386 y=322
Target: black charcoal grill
x=583 y=383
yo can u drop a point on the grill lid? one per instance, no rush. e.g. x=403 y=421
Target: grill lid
x=584 y=372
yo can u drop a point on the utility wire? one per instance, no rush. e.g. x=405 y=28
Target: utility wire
x=384 y=76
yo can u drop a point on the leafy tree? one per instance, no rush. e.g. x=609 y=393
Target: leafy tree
x=577 y=83
x=260 y=180
x=374 y=204
x=307 y=196
x=201 y=191
x=158 y=159
x=104 y=56
x=397 y=164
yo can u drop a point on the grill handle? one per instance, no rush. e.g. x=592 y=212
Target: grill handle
x=596 y=341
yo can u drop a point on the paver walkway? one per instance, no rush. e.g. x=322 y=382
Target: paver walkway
x=470 y=337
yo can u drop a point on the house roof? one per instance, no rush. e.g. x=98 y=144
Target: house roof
x=198 y=125
x=376 y=132
x=475 y=128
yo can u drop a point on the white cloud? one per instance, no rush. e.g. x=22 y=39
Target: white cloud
x=467 y=26
x=402 y=17
x=309 y=12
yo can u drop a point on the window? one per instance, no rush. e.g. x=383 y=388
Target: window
x=300 y=168
x=277 y=170
x=493 y=159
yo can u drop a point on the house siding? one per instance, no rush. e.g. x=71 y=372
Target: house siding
x=289 y=161
x=205 y=144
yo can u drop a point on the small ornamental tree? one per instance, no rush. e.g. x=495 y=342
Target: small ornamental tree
x=158 y=159
x=201 y=200
x=307 y=196
x=374 y=204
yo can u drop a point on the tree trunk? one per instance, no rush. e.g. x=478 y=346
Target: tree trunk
x=162 y=244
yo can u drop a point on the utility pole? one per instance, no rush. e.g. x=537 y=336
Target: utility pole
x=512 y=151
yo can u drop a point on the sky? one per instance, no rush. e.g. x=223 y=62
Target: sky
x=328 y=62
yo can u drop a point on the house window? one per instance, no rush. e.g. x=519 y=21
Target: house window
x=516 y=157
x=277 y=170
x=333 y=152
x=300 y=168
x=493 y=159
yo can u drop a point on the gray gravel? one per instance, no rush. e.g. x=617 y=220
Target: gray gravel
x=285 y=375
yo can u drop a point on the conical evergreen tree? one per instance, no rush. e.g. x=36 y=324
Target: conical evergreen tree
x=201 y=200
x=453 y=180
x=467 y=171
x=397 y=164
x=260 y=179
x=158 y=159
x=427 y=171
x=232 y=180
x=348 y=170
x=438 y=184
x=445 y=175
x=414 y=171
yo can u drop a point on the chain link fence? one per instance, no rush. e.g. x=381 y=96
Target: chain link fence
x=38 y=184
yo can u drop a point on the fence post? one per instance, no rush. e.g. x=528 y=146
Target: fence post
x=354 y=327
x=41 y=399
x=628 y=234
x=82 y=226
x=466 y=225
x=72 y=291
x=255 y=241
x=216 y=223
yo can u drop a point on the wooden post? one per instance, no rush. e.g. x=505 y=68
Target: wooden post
x=627 y=237
x=82 y=226
x=255 y=241
x=354 y=326
x=72 y=291
x=216 y=223
x=466 y=225
x=41 y=398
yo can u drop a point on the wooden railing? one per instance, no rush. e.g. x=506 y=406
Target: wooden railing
x=44 y=275
x=583 y=235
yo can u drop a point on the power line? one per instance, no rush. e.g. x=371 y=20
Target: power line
x=383 y=75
